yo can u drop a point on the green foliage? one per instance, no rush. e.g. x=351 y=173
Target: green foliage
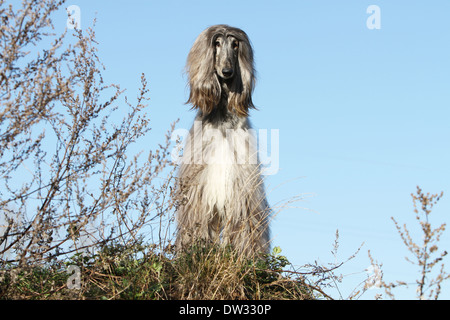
x=43 y=282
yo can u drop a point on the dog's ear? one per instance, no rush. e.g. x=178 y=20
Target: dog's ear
x=240 y=98
x=204 y=85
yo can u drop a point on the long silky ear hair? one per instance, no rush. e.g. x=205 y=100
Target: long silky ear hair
x=205 y=88
x=204 y=85
x=240 y=98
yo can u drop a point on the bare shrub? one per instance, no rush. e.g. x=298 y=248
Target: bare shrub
x=70 y=177
x=424 y=253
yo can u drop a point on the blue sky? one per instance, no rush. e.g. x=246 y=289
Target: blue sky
x=363 y=115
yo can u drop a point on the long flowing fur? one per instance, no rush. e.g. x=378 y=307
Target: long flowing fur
x=220 y=183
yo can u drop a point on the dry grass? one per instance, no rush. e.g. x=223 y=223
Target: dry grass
x=117 y=272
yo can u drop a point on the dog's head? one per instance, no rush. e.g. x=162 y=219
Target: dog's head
x=221 y=55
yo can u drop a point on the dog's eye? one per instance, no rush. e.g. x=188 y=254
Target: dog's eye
x=217 y=43
x=235 y=44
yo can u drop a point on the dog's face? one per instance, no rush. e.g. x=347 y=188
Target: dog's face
x=221 y=58
x=226 y=56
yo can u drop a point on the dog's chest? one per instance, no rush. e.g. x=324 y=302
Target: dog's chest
x=225 y=154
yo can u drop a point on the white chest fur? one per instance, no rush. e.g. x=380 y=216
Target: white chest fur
x=221 y=153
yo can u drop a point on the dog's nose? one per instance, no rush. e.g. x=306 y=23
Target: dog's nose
x=227 y=72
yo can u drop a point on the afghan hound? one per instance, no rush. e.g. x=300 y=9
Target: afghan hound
x=220 y=184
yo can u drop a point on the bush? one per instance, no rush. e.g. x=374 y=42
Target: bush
x=138 y=272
